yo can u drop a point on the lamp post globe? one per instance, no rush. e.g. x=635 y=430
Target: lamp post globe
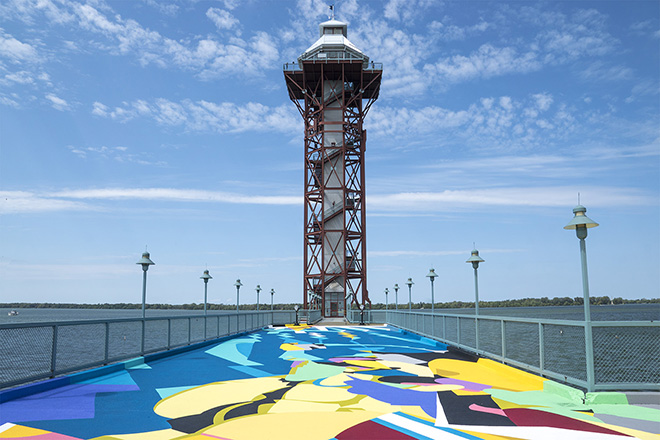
x=238 y=288
x=272 y=294
x=475 y=259
x=258 y=289
x=145 y=261
x=581 y=223
x=387 y=291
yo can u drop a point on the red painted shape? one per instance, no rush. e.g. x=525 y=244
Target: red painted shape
x=530 y=417
x=372 y=431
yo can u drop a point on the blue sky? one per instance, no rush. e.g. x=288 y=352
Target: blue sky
x=166 y=124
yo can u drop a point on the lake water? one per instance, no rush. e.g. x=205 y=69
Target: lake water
x=622 y=312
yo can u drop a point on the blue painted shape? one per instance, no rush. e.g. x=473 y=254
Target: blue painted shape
x=69 y=402
x=235 y=351
x=253 y=372
x=167 y=392
x=394 y=395
x=119 y=378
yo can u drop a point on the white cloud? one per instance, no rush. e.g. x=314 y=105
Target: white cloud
x=221 y=18
x=21 y=202
x=450 y=200
x=15 y=50
x=57 y=102
x=207 y=116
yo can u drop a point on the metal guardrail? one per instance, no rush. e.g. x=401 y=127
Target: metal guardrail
x=625 y=355
x=34 y=351
x=297 y=67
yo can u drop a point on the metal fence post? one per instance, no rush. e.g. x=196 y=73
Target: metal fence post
x=169 y=333
x=144 y=324
x=53 y=357
x=189 y=330
x=589 y=348
x=107 y=342
x=503 y=330
x=541 y=349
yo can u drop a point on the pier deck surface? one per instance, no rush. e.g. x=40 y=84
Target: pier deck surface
x=342 y=382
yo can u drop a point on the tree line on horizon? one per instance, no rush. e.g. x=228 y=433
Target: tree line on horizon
x=522 y=302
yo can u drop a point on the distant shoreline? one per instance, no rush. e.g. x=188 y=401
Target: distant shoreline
x=524 y=302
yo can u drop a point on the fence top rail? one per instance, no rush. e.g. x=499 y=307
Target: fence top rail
x=565 y=322
x=150 y=318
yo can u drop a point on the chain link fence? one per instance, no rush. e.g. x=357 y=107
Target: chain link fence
x=36 y=351
x=625 y=355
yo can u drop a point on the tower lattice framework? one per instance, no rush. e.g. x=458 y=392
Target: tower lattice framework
x=333 y=86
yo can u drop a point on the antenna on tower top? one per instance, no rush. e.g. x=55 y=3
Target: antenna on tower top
x=332 y=12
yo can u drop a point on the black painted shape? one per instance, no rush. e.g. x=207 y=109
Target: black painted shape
x=196 y=422
x=457 y=410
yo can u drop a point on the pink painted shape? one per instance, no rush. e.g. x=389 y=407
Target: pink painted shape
x=46 y=436
x=296 y=363
x=485 y=409
x=215 y=436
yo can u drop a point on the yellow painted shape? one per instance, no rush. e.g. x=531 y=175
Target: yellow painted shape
x=199 y=399
x=336 y=380
x=297 y=327
x=346 y=334
x=313 y=393
x=288 y=346
x=21 y=431
x=505 y=404
x=163 y=434
x=485 y=436
x=463 y=392
x=287 y=426
x=375 y=365
x=487 y=372
x=301 y=406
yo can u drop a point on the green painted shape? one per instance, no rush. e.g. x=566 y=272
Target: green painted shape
x=630 y=411
x=612 y=398
x=537 y=399
x=313 y=371
x=564 y=391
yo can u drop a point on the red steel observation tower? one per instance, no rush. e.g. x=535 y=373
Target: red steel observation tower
x=333 y=85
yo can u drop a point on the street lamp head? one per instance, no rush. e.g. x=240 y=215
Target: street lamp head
x=580 y=222
x=296 y=307
x=475 y=259
x=409 y=283
x=238 y=283
x=396 y=286
x=361 y=307
x=206 y=277
x=145 y=261
x=272 y=291
x=387 y=291
x=258 y=289
x=432 y=274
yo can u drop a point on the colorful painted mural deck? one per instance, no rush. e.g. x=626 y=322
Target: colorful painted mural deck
x=343 y=383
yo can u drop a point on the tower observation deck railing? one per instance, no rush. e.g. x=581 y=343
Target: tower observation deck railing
x=35 y=351
x=333 y=57
x=626 y=353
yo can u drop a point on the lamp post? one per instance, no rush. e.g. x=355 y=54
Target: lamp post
x=361 y=314
x=296 y=308
x=145 y=262
x=581 y=223
x=410 y=284
x=258 y=289
x=272 y=293
x=396 y=296
x=238 y=288
x=387 y=291
x=432 y=275
x=475 y=259
x=206 y=277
